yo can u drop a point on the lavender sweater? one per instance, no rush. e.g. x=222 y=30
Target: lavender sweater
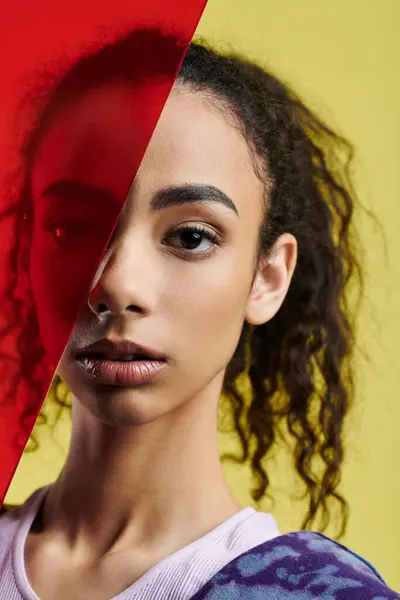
x=177 y=577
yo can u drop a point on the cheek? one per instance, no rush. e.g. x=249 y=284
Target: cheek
x=60 y=281
x=208 y=311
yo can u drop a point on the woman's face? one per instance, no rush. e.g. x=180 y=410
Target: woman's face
x=175 y=282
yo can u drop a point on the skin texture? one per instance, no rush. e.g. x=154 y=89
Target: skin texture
x=156 y=445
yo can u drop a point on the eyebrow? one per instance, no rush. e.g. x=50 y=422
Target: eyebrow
x=173 y=196
x=193 y=192
x=65 y=189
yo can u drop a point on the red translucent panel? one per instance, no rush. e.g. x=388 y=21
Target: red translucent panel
x=65 y=175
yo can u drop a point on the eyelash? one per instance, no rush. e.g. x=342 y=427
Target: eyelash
x=74 y=224
x=205 y=232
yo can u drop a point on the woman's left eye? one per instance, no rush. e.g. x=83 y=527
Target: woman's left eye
x=195 y=239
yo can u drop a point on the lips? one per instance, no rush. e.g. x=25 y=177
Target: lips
x=120 y=363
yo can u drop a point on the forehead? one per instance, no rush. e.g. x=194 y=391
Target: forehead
x=97 y=140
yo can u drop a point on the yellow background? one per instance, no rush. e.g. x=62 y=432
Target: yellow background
x=343 y=57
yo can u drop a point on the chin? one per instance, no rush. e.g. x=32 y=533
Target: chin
x=124 y=407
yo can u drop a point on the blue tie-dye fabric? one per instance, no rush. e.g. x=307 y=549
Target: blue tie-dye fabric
x=298 y=566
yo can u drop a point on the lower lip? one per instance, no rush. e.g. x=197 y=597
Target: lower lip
x=124 y=374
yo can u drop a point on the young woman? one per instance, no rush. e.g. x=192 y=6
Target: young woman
x=228 y=264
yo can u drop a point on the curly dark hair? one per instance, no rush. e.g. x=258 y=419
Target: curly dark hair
x=298 y=366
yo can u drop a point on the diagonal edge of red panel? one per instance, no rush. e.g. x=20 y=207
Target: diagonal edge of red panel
x=23 y=385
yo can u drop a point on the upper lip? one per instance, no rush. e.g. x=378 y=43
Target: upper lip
x=114 y=349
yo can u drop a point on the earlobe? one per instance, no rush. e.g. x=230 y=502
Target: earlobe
x=272 y=281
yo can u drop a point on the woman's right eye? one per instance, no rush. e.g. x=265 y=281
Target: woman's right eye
x=67 y=231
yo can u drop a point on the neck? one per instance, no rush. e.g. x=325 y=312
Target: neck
x=159 y=483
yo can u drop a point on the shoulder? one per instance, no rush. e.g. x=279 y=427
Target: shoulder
x=322 y=550
x=298 y=566
x=10 y=516
x=15 y=519
x=10 y=520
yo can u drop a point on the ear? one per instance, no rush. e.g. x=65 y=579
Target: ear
x=272 y=280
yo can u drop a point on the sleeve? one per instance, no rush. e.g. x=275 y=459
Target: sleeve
x=298 y=566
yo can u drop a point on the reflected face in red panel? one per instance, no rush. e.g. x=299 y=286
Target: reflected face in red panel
x=80 y=178
x=168 y=300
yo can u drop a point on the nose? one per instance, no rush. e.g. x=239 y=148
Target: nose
x=122 y=284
